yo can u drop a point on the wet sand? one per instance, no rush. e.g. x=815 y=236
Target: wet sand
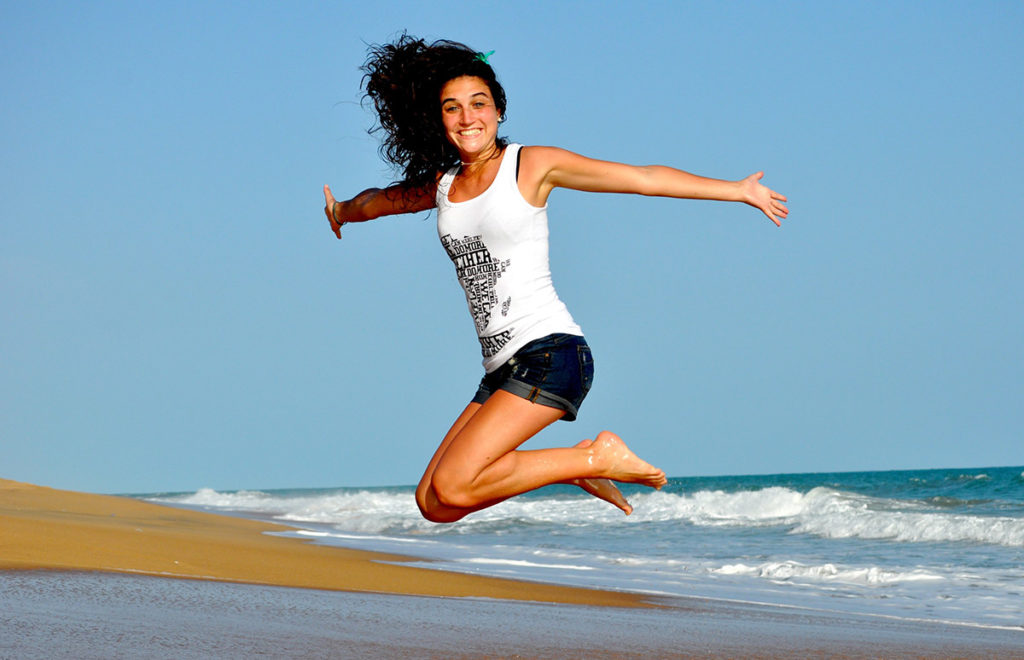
x=79 y=581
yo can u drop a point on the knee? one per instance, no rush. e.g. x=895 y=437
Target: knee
x=451 y=490
x=433 y=514
x=432 y=509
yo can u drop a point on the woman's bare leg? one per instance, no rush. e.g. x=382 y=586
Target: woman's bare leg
x=426 y=497
x=433 y=510
x=477 y=464
x=427 y=501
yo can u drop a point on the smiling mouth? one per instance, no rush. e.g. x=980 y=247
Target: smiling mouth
x=471 y=132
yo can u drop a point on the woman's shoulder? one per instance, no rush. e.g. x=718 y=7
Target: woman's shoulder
x=542 y=152
x=543 y=158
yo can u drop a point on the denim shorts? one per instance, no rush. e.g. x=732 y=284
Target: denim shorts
x=555 y=371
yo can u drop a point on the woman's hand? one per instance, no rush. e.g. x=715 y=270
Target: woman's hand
x=330 y=208
x=761 y=197
x=373 y=203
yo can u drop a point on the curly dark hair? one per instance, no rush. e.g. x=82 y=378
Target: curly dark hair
x=404 y=81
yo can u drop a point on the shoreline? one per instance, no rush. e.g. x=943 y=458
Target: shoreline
x=80 y=577
x=46 y=528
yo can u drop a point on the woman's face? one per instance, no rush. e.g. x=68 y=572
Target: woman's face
x=469 y=115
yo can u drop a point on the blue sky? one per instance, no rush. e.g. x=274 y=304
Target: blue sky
x=177 y=313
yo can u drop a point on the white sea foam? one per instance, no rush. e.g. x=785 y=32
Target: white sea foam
x=831 y=514
x=243 y=500
x=524 y=564
x=916 y=527
x=822 y=512
x=766 y=506
x=786 y=571
x=355 y=511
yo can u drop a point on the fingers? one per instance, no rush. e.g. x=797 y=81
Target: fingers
x=776 y=213
x=772 y=206
x=774 y=209
x=329 y=202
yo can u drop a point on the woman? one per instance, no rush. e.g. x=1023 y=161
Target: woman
x=439 y=106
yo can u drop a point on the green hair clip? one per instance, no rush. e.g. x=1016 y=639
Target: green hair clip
x=483 y=57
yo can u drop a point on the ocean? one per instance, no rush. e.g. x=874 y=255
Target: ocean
x=930 y=545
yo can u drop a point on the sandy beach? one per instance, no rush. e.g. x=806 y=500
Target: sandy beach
x=85 y=575
x=56 y=529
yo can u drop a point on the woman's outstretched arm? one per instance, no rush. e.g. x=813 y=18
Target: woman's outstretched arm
x=547 y=168
x=375 y=202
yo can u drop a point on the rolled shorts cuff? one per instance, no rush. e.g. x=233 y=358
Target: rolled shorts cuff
x=534 y=394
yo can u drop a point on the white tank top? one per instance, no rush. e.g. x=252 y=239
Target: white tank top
x=499 y=245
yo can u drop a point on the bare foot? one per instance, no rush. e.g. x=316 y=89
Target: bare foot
x=602 y=488
x=618 y=462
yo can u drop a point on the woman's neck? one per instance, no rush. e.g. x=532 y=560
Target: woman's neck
x=475 y=177
x=474 y=162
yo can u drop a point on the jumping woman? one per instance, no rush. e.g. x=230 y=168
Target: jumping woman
x=439 y=105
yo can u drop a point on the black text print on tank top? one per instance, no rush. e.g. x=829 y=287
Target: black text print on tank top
x=478 y=272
